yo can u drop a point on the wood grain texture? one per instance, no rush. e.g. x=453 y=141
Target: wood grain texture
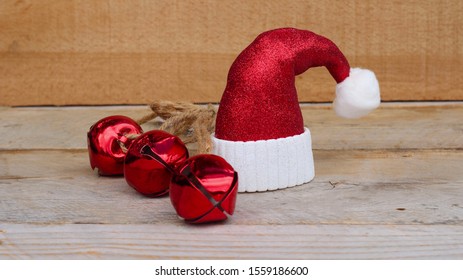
x=393 y=126
x=230 y=242
x=119 y=52
x=388 y=186
x=351 y=187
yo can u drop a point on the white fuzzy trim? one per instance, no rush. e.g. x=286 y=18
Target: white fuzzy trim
x=269 y=164
x=357 y=95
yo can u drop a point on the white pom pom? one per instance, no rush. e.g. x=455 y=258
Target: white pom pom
x=357 y=95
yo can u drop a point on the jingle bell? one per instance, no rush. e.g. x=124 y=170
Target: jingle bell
x=151 y=160
x=104 y=141
x=204 y=189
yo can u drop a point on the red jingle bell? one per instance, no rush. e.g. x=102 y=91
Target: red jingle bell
x=151 y=160
x=204 y=188
x=103 y=140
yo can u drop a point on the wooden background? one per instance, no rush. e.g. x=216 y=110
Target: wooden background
x=68 y=52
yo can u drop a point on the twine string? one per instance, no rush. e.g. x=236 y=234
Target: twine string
x=191 y=123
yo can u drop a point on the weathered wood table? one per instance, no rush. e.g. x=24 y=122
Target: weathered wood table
x=386 y=186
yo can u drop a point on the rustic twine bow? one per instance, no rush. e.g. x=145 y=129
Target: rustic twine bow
x=192 y=123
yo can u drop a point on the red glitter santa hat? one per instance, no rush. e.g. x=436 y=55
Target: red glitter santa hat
x=259 y=127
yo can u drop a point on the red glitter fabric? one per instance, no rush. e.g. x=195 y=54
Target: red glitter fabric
x=260 y=101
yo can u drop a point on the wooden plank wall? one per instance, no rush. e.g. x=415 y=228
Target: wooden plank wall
x=65 y=52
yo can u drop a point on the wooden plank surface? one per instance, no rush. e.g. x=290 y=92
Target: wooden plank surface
x=387 y=186
x=120 y=52
x=351 y=187
x=230 y=242
x=392 y=126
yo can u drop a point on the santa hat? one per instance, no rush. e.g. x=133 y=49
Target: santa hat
x=259 y=128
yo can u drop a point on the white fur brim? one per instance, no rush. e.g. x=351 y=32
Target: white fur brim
x=357 y=95
x=269 y=164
